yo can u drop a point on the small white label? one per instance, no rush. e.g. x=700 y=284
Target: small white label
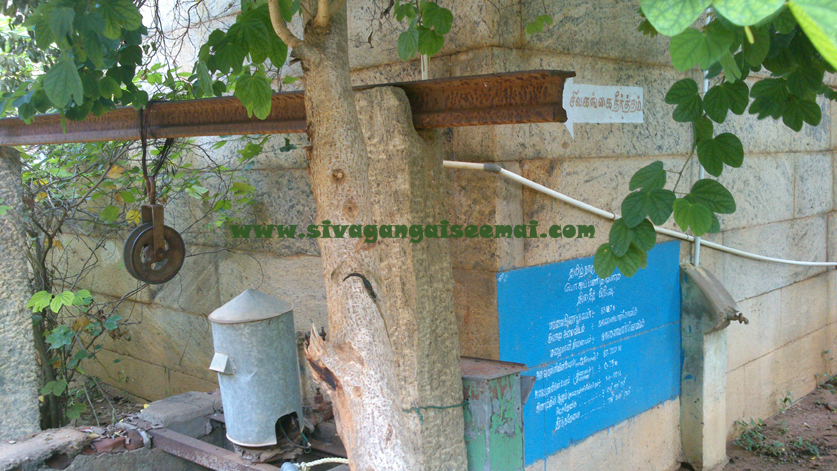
x=602 y=104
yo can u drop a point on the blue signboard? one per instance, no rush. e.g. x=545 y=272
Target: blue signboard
x=602 y=350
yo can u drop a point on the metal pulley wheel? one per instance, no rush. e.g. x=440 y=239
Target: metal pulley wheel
x=153 y=252
x=152 y=266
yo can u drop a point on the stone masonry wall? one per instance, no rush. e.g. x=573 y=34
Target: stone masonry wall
x=785 y=194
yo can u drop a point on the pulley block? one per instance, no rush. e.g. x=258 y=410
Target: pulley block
x=153 y=252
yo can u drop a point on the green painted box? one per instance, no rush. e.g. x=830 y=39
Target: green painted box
x=494 y=415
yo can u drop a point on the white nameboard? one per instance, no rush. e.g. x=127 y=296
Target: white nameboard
x=602 y=104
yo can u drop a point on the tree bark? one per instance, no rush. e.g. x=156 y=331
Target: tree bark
x=18 y=369
x=408 y=187
x=388 y=355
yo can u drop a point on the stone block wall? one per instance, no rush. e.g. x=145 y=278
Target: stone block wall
x=785 y=194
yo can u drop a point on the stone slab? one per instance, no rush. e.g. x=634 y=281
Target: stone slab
x=649 y=441
x=813 y=185
x=184 y=413
x=747 y=342
x=805 y=308
x=799 y=239
x=298 y=280
x=606 y=29
x=475 y=302
x=755 y=206
x=174 y=340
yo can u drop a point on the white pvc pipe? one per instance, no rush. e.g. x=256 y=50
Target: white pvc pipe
x=493 y=168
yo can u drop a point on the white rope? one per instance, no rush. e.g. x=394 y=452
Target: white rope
x=311 y=464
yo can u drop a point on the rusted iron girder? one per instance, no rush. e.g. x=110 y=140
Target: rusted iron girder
x=202 y=453
x=507 y=98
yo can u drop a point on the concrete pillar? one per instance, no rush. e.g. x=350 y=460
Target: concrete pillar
x=707 y=309
x=18 y=369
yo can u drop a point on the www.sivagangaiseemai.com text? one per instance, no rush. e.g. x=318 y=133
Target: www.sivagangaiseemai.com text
x=414 y=232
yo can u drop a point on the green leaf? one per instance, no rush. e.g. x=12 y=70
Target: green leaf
x=287 y=147
x=228 y=55
x=731 y=70
x=696 y=216
x=62 y=83
x=688 y=111
x=655 y=204
x=94 y=49
x=119 y=13
x=405 y=10
x=693 y=47
x=61 y=24
x=109 y=214
x=39 y=301
x=650 y=177
x=604 y=262
x=39 y=23
x=539 y=24
x=681 y=91
x=771 y=96
x=684 y=94
x=252 y=36
x=747 y=12
x=130 y=56
x=723 y=149
x=255 y=94
x=241 y=188
x=408 y=42
x=82 y=298
x=47 y=389
x=60 y=300
x=799 y=111
x=805 y=79
x=430 y=42
x=725 y=97
x=754 y=54
x=110 y=323
x=818 y=18
x=288 y=9
x=670 y=17
x=74 y=411
x=713 y=195
x=632 y=261
x=646 y=28
x=619 y=238
x=59 y=387
x=127 y=196
x=644 y=235
x=436 y=17
x=704 y=129
x=60 y=336
x=204 y=79
x=109 y=87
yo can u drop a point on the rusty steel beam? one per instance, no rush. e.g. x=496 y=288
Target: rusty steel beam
x=507 y=98
x=202 y=453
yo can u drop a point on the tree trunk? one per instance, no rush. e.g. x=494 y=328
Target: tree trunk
x=18 y=370
x=408 y=187
x=387 y=355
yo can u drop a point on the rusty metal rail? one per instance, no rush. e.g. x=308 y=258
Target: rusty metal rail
x=507 y=98
x=203 y=453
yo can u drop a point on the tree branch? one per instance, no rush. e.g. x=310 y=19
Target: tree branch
x=323 y=14
x=281 y=27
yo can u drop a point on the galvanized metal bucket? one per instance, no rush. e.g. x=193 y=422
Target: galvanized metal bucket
x=257 y=365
